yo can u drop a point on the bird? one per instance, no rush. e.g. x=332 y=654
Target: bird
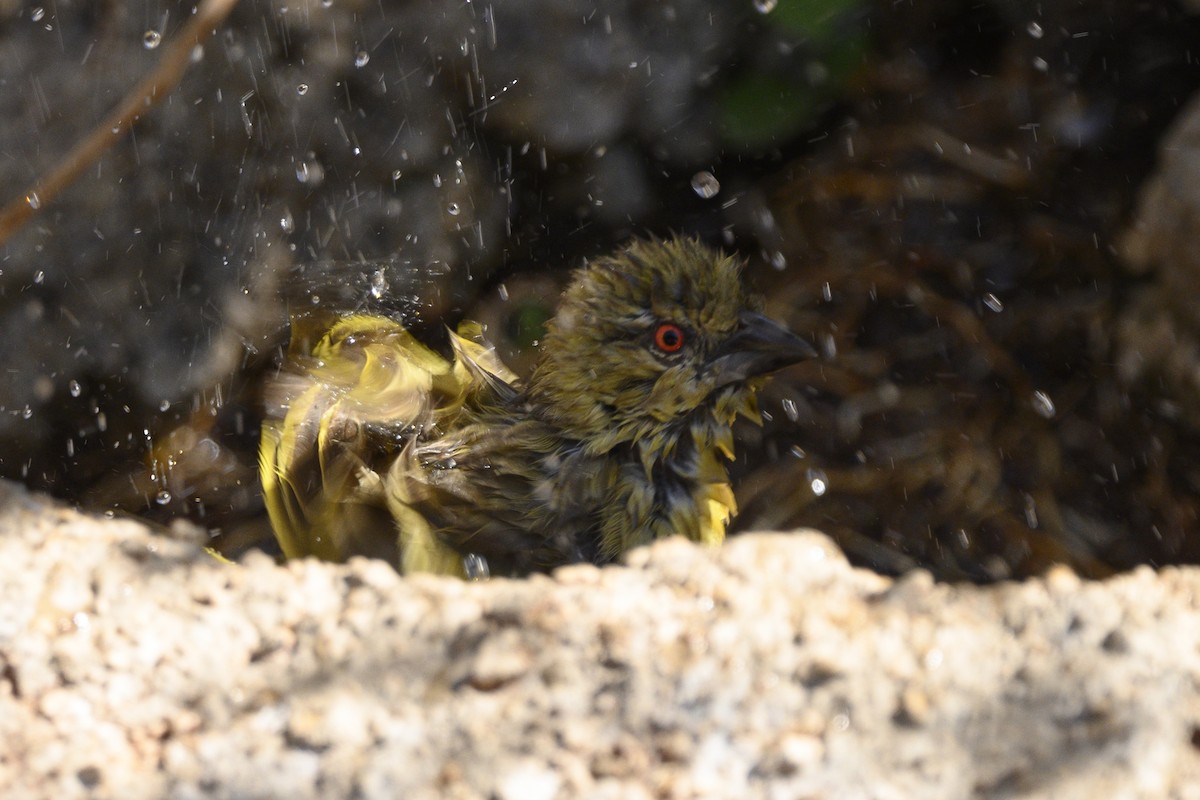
x=375 y=444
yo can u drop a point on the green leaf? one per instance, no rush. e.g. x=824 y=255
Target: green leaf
x=816 y=20
x=762 y=110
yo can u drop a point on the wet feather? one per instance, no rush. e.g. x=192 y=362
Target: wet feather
x=379 y=445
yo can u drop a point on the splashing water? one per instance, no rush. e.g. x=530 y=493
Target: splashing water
x=1043 y=405
x=379 y=284
x=705 y=184
x=817 y=481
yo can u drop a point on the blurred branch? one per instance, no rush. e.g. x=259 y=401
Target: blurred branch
x=148 y=92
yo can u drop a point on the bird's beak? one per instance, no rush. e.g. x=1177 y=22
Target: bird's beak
x=759 y=345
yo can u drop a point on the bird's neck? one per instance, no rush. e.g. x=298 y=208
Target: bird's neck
x=673 y=481
x=667 y=477
x=668 y=488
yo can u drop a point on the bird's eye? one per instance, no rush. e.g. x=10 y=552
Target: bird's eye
x=669 y=337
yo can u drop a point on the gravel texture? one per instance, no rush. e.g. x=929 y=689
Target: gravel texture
x=133 y=665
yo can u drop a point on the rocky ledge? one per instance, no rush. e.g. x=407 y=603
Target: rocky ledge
x=134 y=665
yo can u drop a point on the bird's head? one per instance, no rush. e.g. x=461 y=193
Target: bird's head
x=646 y=337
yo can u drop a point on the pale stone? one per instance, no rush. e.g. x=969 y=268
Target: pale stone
x=765 y=669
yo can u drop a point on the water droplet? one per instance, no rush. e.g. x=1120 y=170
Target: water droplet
x=829 y=346
x=397 y=174
x=1041 y=65
x=790 y=408
x=1031 y=515
x=165 y=405
x=33 y=200
x=39 y=277
x=326 y=3
x=37 y=13
x=151 y=39
x=453 y=209
x=779 y=261
x=208 y=451
x=1043 y=405
x=437 y=181
x=74 y=388
x=26 y=413
x=163 y=497
x=316 y=299
x=286 y=223
x=993 y=303
x=379 y=284
x=817 y=481
x=476 y=567
x=826 y=292
x=310 y=171
x=797 y=451
x=1035 y=30
x=302 y=89
x=705 y=184
x=361 y=58
x=765 y=6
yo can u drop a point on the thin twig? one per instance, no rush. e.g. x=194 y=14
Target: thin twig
x=148 y=93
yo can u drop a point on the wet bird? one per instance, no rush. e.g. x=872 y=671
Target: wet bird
x=377 y=445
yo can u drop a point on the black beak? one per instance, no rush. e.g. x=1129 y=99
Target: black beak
x=759 y=345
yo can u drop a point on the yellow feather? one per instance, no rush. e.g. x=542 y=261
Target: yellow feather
x=376 y=444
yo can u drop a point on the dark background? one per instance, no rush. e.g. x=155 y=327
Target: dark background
x=935 y=192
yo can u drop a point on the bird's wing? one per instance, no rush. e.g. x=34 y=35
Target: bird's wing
x=479 y=366
x=355 y=396
x=498 y=489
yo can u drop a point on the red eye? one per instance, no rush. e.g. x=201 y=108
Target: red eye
x=669 y=337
